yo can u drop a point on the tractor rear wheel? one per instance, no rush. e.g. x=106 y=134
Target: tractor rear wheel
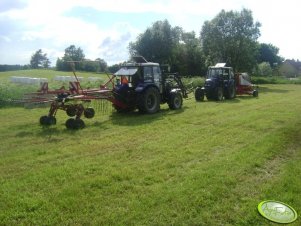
x=175 y=101
x=230 y=94
x=219 y=94
x=149 y=101
x=126 y=98
x=199 y=94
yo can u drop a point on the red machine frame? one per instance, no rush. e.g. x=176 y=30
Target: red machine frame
x=244 y=85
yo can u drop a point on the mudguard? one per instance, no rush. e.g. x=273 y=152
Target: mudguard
x=141 y=87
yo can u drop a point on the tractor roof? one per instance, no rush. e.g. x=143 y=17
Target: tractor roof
x=140 y=61
x=140 y=64
x=220 y=65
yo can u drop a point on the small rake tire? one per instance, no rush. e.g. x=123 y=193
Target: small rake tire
x=75 y=124
x=89 y=112
x=47 y=120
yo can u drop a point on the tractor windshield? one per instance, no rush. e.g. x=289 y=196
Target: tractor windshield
x=224 y=73
x=130 y=76
x=126 y=71
x=214 y=72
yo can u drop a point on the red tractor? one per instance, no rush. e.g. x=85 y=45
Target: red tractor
x=244 y=85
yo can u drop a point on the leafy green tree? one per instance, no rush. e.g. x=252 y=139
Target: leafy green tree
x=39 y=60
x=165 y=44
x=188 y=57
x=71 y=54
x=89 y=65
x=46 y=63
x=155 y=44
x=264 y=69
x=231 y=37
x=103 y=66
x=269 y=53
x=114 y=68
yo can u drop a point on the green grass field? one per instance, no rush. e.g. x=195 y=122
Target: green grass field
x=210 y=163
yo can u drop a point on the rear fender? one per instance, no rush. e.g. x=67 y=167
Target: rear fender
x=141 y=87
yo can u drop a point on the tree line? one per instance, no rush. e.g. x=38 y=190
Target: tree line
x=230 y=37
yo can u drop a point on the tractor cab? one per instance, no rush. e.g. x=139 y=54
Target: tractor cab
x=127 y=75
x=219 y=83
x=141 y=84
x=139 y=74
x=219 y=71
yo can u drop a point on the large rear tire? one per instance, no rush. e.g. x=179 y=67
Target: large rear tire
x=219 y=94
x=149 y=101
x=199 y=94
x=230 y=94
x=175 y=101
x=126 y=98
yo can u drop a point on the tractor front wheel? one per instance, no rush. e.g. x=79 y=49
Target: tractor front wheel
x=199 y=94
x=149 y=101
x=175 y=101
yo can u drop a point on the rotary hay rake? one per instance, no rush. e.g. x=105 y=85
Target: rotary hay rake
x=73 y=101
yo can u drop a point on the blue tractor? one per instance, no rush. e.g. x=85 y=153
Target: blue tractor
x=144 y=86
x=219 y=84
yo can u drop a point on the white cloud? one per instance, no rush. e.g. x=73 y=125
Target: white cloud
x=36 y=24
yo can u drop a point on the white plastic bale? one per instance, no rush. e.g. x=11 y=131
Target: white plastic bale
x=13 y=79
x=59 y=78
x=19 y=79
x=26 y=80
x=34 y=80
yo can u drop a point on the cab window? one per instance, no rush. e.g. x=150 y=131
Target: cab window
x=147 y=72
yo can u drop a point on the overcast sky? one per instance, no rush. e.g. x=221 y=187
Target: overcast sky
x=104 y=28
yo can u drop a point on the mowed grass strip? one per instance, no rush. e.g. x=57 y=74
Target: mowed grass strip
x=208 y=164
